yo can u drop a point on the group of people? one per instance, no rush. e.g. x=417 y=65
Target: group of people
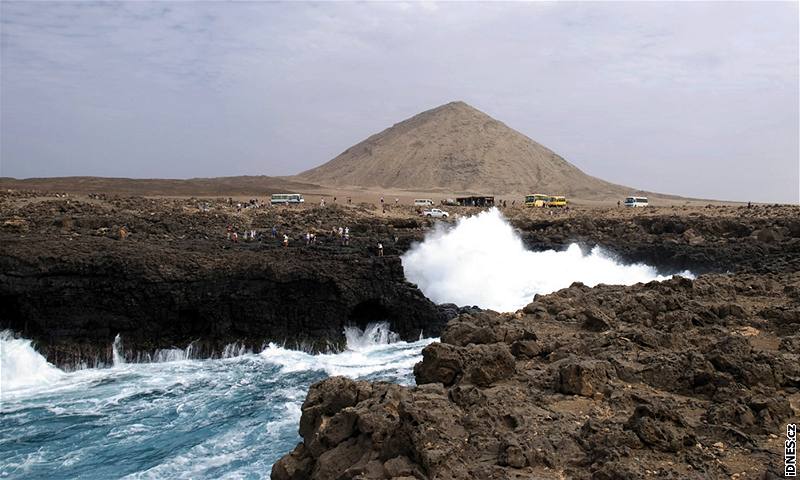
x=248 y=235
x=232 y=235
x=311 y=238
x=343 y=234
x=322 y=201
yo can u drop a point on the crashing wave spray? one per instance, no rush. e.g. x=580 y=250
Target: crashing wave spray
x=117 y=353
x=482 y=261
x=373 y=335
x=370 y=351
x=21 y=366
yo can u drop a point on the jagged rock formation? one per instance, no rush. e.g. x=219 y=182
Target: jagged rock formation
x=680 y=379
x=456 y=148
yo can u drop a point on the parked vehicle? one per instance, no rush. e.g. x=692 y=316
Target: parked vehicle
x=423 y=202
x=537 y=200
x=435 y=213
x=450 y=202
x=559 y=201
x=286 y=199
x=636 y=202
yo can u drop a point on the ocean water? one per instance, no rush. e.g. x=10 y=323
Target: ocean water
x=175 y=417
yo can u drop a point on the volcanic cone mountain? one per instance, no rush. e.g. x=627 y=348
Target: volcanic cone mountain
x=457 y=148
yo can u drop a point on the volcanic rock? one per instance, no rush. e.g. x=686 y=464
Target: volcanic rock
x=677 y=384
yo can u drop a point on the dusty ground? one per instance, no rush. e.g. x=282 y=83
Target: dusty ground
x=244 y=188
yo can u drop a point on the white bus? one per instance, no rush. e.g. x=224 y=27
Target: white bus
x=636 y=202
x=423 y=202
x=286 y=198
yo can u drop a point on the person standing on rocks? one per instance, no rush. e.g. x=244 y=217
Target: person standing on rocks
x=380 y=249
x=274 y=232
x=285 y=240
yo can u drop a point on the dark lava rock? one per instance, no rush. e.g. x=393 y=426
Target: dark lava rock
x=673 y=384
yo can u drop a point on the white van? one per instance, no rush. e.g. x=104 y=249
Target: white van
x=423 y=202
x=287 y=199
x=636 y=202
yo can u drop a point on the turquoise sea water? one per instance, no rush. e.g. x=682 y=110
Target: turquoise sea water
x=176 y=418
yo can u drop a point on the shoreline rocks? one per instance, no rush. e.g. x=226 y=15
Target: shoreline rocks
x=685 y=379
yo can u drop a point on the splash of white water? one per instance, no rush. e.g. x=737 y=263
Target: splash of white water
x=374 y=349
x=21 y=366
x=482 y=261
x=117 y=353
x=375 y=334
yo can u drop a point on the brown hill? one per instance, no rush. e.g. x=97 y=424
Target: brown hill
x=457 y=148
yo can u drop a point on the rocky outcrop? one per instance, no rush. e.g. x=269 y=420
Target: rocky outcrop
x=761 y=239
x=71 y=284
x=73 y=308
x=680 y=379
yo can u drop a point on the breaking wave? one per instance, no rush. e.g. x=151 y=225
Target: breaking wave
x=21 y=366
x=174 y=416
x=482 y=261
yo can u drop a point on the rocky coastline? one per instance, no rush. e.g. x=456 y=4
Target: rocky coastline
x=679 y=379
x=69 y=282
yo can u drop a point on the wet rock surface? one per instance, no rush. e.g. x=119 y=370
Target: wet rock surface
x=679 y=379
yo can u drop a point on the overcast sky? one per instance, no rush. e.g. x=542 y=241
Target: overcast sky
x=697 y=99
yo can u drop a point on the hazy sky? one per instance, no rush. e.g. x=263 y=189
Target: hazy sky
x=697 y=99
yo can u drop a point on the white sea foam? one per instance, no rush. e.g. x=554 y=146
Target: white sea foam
x=482 y=261
x=374 y=349
x=21 y=366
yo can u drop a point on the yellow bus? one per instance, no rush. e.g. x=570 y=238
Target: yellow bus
x=557 y=201
x=536 y=200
